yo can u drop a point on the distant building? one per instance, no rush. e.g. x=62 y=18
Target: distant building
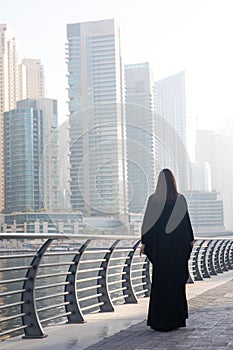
x=43 y=222
x=171 y=148
x=31 y=156
x=65 y=223
x=97 y=121
x=216 y=147
x=51 y=167
x=23 y=149
x=32 y=79
x=64 y=164
x=208 y=148
x=201 y=177
x=9 y=89
x=140 y=131
x=206 y=211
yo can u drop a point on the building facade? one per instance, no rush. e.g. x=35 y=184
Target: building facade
x=215 y=147
x=50 y=158
x=206 y=212
x=201 y=177
x=97 y=121
x=23 y=149
x=170 y=107
x=140 y=130
x=32 y=79
x=9 y=88
x=31 y=157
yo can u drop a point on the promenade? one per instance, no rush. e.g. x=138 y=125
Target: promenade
x=210 y=325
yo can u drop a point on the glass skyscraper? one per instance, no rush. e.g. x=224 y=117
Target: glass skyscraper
x=170 y=107
x=140 y=122
x=23 y=148
x=9 y=91
x=97 y=124
x=31 y=156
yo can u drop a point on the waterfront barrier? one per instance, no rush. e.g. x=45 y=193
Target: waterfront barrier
x=49 y=279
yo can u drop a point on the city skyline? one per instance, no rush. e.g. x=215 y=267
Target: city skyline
x=96 y=97
x=172 y=36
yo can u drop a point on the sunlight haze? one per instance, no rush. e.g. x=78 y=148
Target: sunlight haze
x=172 y=35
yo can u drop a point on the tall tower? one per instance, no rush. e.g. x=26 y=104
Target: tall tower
x=171 y=147
x=32 y=79
x=31 y=156
x=97 y=124
x=9 y=90
x=140 y=126
x=22 y=155
x=50 y=157
x=215 y=147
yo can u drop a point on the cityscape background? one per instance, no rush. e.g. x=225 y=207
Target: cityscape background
x=84 y=135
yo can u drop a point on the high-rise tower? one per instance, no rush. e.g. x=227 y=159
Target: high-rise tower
x=32 y=79
x=23 y=151
x=9 y=89
x=170 y=106
x=50 y=157
x=31 y=156
x=140 y=126
x=97 y=124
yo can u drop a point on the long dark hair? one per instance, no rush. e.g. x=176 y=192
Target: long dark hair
x=166 y=189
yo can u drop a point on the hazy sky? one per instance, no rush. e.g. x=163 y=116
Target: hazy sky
x=172 y=35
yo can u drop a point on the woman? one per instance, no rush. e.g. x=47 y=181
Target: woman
x=167 y=240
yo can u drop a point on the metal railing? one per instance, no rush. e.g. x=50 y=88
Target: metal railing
x=47 y=279
x=50 y=278
x=211 y=257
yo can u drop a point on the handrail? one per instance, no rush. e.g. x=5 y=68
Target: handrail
x=64 y=236
x=100 y=271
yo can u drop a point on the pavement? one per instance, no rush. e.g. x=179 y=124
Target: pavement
x=210 y=325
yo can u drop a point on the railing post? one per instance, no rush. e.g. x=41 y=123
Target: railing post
x=103 y=289
x=28 y=308
x=210 y=258
x=73 y=306
x=195 y=254
x=230 y=254
x=146 y=278
x=204 y=268
x=227 y=255
x=222 y=251
x=128 y=291
x=217 y=257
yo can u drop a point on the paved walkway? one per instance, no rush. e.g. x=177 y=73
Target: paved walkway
x=210 y=325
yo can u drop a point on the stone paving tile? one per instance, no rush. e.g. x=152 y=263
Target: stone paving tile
x=210 y=326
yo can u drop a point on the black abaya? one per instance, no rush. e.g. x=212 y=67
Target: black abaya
x=169 y=250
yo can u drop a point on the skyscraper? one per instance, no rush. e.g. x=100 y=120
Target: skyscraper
x=32 y=79
x=31 y=156
x=22 y=155
x=208 y=148
x=50 y=157
x=201 y=177
x=140 y=129
x=215 y=147
x=170 y=106
x=97 y=124
x=9 y=90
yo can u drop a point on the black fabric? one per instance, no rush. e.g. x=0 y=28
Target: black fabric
x=169 y=253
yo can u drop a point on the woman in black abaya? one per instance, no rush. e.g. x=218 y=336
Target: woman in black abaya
x=167 y=240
